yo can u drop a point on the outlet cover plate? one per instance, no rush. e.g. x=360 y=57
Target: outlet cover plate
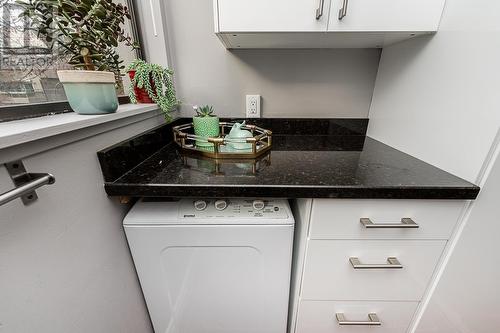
x=253 y=106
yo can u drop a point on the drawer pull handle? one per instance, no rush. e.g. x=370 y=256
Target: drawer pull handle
x=406 y=223
x=392 y=263
x=373 y=320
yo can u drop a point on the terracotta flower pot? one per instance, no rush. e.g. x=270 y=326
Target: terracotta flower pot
x=140 y=93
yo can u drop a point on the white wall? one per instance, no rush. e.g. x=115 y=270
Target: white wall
x=293 y=83
x=64 y=261
x=466 y=299
x=438 y=98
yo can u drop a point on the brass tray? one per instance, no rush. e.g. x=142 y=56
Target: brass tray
x=220 y=147
x=227 y=166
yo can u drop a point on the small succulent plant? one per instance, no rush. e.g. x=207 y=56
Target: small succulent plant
x=204 y=111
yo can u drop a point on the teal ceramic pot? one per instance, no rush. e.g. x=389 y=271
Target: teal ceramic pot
x=90 y=92
x=207 y=127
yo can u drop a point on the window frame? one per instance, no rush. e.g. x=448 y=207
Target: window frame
x=34 y=110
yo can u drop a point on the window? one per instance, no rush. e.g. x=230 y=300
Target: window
x=29 y=85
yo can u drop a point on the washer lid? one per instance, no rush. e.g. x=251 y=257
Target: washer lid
x=235 y=212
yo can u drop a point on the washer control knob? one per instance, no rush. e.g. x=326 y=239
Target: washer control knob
x=200 y=205
x=258 y=204
x=220 y=204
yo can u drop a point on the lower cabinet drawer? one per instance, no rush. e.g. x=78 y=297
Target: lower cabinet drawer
x=342 y=219
x=332 y=272
x=321 y=316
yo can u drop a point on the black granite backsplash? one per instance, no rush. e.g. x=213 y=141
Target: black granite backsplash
x=297 y=126
x=349 y=135
x=124 y=156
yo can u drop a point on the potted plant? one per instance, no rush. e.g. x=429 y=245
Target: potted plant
x=86 y=33
x=205 y=124
x=151 y=83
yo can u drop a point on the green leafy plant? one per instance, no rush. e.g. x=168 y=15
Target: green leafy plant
x=86 y=31
x=158 y=83
x=204 y=111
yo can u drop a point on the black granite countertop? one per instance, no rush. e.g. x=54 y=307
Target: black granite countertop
x=327 y=158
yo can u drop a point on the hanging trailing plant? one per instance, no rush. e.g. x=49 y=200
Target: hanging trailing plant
x=158 y=83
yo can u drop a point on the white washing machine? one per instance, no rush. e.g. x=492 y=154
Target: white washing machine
x=213 y=266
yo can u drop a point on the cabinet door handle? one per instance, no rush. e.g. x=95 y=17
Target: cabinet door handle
x=392 y=263
x=406 y=223
x=319 y=11
x=343 y=10
x=373 y=320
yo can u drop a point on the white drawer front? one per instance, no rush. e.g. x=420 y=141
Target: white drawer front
x=320 y=317
x=340 y=219
x=329 y=274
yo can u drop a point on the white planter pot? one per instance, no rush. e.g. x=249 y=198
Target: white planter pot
x=90 y=92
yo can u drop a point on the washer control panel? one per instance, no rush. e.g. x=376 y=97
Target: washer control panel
x=237 y=208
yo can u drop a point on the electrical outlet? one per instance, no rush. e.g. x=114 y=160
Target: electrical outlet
x=253 y=106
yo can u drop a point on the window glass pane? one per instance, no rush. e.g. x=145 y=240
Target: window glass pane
x=126 y=53
x=28 y=68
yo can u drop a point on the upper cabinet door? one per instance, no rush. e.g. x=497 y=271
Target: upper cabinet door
x=271 y=15
x=385 y=15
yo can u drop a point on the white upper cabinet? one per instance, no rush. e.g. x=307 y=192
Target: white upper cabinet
x=385 y=15
x=272 y=15
x=323 y=23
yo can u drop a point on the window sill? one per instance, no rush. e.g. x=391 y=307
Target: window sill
x=23 y=131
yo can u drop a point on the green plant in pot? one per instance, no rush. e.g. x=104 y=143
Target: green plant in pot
x=151 y=83
x=205 y=124
x=86 y=33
